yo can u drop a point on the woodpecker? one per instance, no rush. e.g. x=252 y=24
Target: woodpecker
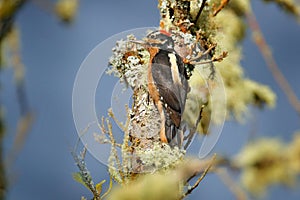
x=167 y=85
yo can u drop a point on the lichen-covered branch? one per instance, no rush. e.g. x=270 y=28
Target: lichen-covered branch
x=268 y=161
x=8 y=11
x=205 y=35
x=290 y=6
x=10 y=55
x=271 y=63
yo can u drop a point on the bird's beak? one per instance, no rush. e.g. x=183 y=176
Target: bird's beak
x=140 y=42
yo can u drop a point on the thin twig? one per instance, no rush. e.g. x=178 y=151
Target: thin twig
x=273 y=67
x=85 y=173
x=23 y=128
x=200 y=11
x=114 y=150
x=233 y=187
x=125 y=146
x=6 y=22
x=221 y=6
x=109 y=188
x=190 y=190
x=200 y=54
x=102 y=126
x=120 y=124
x=214 y=59
x=193 y=130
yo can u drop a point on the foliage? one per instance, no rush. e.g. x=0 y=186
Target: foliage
x=10 y=56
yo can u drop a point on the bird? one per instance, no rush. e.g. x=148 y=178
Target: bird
x=167 y=85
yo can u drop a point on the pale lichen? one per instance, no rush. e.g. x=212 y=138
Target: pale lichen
x=225 y=30
x=152 y=186
x=129 y=62
x=240 y=91
x=66 y=9
x=159 y=157
x=293 y=153
x=264 y=163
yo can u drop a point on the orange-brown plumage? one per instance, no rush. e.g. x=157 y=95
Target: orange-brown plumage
x=155 y=95
x=167 y=85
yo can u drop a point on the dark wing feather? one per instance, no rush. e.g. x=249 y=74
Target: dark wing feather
x=173 y=94
x=166 y=88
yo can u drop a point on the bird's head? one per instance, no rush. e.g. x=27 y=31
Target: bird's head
x=158 y=39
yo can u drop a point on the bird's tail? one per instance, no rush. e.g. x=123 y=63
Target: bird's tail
x=173 y=133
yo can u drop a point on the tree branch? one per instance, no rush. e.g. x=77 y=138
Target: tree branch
x=270 y=61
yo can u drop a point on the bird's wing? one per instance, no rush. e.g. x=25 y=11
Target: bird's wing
x=166 y=87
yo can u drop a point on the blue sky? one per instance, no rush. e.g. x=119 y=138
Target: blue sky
x=53 y=52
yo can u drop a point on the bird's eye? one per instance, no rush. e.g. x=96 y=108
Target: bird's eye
x=152 y=37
